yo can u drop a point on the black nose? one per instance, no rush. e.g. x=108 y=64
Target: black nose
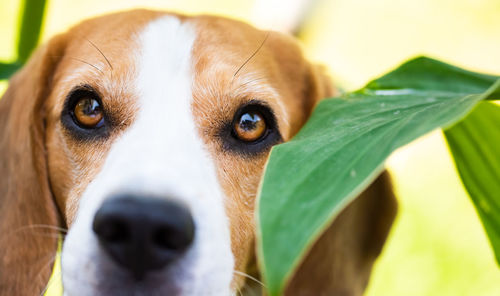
x=143 y=233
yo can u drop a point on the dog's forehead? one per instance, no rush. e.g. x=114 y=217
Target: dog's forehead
x=104 y=50
x=219 y=43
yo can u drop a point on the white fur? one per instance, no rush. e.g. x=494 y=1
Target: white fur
x=160 y=154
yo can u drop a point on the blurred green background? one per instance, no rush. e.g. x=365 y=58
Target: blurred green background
x=437 y=245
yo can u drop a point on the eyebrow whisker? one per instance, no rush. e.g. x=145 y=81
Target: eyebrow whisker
x=253 y=54
x=93 y=66
x=251 y=81
x=81 y=61
x=97 y=48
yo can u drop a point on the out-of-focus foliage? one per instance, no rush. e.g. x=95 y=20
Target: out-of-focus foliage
x=29 y=34
x=7 y=69
x=31 y=25
x=475 y=144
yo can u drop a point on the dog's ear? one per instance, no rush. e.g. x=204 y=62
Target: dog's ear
x=28 y=213
x=340 y=262
x=319 y=85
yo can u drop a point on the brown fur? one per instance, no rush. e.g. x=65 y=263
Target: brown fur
x=46 y=170
x=25 y=196
x=341 y=260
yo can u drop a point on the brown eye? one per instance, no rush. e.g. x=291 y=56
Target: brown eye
x=250 y=127
x=88 y=113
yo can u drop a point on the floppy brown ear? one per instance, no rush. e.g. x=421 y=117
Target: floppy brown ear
x=319 y=84
x=27 y=209
x=340 y=262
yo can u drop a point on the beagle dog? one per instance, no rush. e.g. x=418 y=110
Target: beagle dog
x=145 y=134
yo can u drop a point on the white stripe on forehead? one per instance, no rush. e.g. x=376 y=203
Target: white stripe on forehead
x=163 y=138
x=161 y=154
x=163 y=149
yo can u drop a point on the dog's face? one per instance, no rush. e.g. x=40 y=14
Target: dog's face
x=146 y=134
x=150 y=116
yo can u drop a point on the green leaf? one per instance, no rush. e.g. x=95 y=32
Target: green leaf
x=428 y=74
x=6 y=70
x=31 y=25
x=475 y=145
x=340 y=151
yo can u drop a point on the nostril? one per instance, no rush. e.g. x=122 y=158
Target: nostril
x=173 y=239
x=112 y=230
x=163 y=239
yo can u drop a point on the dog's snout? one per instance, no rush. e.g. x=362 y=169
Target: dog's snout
x=143 y=233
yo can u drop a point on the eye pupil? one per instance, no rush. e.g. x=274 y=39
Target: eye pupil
x=88 y=113
x=250 y=127
x=90 y=107
x=249 y=121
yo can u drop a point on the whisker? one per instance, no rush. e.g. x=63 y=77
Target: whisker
x=95 y=67
x=50 y=235
x=95 y=46
x=240 y=273
x=251 y=81
x=58 y=231
x=43 y=226
x=253 y=54
x=83 y=61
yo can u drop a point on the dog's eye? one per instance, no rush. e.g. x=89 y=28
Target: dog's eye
x=88 y=113
x=252 y=130
x=250 y=126
x=84 y=115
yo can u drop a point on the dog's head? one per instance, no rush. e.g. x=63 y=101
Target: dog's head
x=146 y=135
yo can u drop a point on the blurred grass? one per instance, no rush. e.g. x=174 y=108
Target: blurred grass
x=438 y=246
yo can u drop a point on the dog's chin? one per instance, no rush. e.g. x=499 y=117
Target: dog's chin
x=112 y=281
x=92 y=272
x=123 y=284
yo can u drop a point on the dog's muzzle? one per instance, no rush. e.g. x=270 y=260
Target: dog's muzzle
x=143 y=233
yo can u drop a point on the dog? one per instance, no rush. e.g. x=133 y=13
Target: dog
x=145 y=134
